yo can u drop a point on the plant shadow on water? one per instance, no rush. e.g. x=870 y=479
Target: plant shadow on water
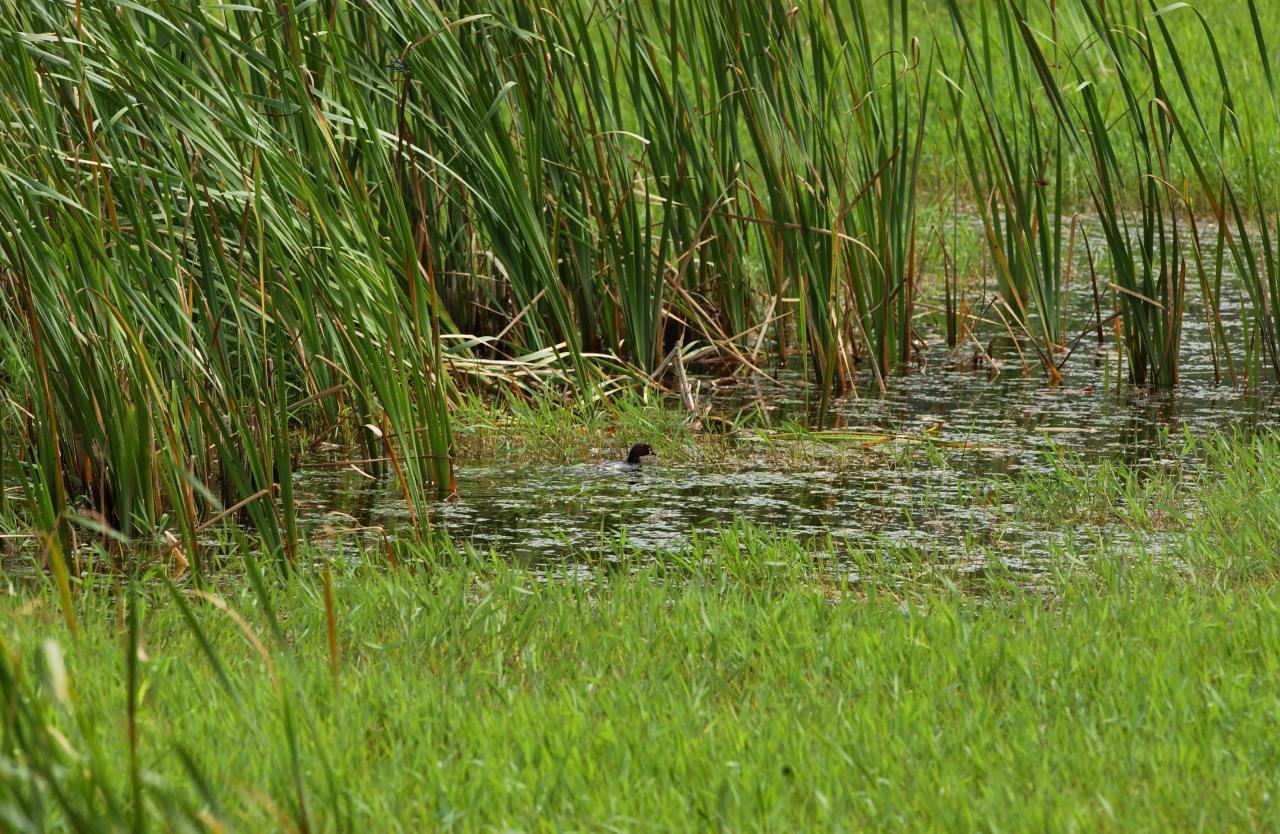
x=930 y=499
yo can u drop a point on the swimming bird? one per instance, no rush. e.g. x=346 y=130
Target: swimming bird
x=632 y=463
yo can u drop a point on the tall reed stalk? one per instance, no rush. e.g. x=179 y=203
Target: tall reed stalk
x=1141 y=221
x=210 y=250
x=1244 y=210
x=1016 y=165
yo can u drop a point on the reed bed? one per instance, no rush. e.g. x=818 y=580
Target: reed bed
x=238 y=232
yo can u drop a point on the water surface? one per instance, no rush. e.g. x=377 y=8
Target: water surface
x=896 y=494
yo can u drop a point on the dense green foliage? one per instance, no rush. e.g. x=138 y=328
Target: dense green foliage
x=226 y=223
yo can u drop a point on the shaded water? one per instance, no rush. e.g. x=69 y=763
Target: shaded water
x=903 y=494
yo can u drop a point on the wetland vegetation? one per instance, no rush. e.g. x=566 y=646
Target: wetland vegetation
x=744 y=680
x=953 y=327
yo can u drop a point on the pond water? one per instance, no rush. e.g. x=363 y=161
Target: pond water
x=896 y=494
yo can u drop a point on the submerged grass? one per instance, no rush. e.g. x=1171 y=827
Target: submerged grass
x=546 y=429
x=740 y=683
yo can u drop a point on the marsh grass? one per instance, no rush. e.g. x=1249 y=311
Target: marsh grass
x=234 y=228
x=1245 y=224
x=195 y=275
x=228 y=230
x=739 y=681
x=1017 y=167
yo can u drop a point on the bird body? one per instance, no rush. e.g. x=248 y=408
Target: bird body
x=632 y=463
